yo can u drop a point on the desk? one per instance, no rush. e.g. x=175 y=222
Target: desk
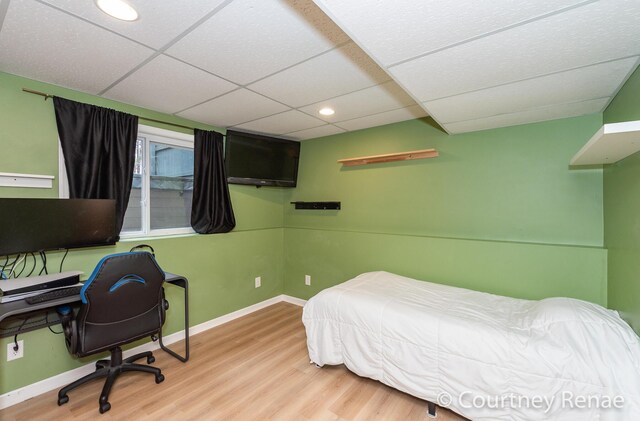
x=182 y=282
x=16 y=308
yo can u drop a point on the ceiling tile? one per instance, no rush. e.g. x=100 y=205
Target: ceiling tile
x=385 y=97
x=550 y=112
x=331 y=74
x=168 y=85
x=402 y=114
x=233 y=108
x=251 y=39
x=397 y=30
x=600 y=31
x=42 y=43
x=326 y=130
x=582 y=84
x=158 y=23
x=286 y=122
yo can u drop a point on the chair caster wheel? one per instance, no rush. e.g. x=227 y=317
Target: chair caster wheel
x=62 y=400
x=104 y=407
x=151 y=359
x=159 y=378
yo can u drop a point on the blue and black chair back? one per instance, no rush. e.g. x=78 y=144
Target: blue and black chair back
x=122 y=301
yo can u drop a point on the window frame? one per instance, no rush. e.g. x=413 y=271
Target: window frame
x=150 y=134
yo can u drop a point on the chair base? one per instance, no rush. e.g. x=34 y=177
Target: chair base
x=111 y=369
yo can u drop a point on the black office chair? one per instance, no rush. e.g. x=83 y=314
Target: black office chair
x=122 y=301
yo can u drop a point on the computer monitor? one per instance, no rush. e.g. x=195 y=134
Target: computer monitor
x=33 y=225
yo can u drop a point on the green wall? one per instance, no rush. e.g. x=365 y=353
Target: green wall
x=220 y=268
x=498 y=211
x=626 y=104
x=622 y=212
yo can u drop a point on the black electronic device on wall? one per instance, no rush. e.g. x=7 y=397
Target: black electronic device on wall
x=317 y=205
x=261 y=160
x=33 y=225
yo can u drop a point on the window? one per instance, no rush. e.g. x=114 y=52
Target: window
x=162 y=188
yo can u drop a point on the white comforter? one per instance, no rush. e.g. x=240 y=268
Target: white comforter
x=493 y=357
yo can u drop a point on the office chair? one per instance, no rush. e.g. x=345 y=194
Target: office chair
x=122 y=301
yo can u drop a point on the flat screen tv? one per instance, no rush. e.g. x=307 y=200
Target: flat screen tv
x=261 y=160
x=33 y=225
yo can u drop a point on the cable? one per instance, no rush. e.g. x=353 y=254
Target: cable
x=24 y=266
x=8 y=265
x=43 y=256
x=46 y=318
x=15 y=338
x=13 y=265
x=144 y=246
x=4 y=265
x=25 y=323
x=35 y=263
x=63 y=257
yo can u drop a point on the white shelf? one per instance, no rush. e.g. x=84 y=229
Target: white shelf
x=26 y=180
x=610 y=144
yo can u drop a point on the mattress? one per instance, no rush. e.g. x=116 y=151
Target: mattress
x=484 y=356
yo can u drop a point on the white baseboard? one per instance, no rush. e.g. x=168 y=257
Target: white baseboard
x=293 y=300
x=27 y=392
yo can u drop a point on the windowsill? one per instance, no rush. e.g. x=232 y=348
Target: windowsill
x=156 y=237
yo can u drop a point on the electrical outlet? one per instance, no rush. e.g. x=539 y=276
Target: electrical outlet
x=13 y=355
x=307 y=279
x=258 y=282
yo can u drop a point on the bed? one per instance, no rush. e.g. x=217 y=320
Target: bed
x=484 y=356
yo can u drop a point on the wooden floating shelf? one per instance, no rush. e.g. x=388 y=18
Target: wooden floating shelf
x=390 y=157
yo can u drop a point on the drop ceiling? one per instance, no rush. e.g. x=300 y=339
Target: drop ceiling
x=269 y=66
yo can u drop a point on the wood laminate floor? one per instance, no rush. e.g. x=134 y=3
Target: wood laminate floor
x=252 y=368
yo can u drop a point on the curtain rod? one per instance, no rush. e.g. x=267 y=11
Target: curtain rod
x=47 y=96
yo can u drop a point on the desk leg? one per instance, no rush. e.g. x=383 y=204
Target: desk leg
x=185 y=285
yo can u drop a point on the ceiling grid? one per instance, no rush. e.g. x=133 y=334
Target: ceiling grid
x=270 y=66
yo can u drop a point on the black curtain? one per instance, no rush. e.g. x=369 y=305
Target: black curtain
x=211 y=211
x=99 y=148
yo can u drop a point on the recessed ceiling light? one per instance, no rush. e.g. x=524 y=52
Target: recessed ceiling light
x=327 y=111
x=118 y=9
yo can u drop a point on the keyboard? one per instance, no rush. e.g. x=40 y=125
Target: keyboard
x=54 y=295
